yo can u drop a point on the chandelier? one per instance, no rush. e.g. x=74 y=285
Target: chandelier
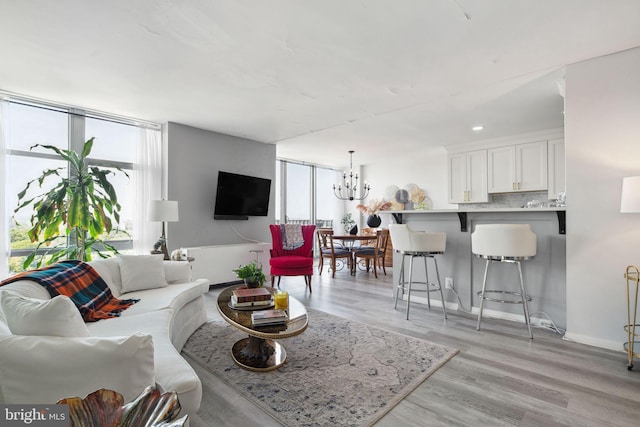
x=349 y=190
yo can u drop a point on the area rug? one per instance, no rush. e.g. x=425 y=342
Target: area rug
x=337 y=372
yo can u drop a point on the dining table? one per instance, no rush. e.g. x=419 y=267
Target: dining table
x=349 y=241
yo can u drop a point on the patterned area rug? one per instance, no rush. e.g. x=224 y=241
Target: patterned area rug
x=338 y=372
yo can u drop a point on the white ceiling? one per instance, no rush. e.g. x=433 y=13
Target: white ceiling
x=317 y=78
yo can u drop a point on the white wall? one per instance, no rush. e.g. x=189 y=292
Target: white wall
x=427 y=169
x=602 y=135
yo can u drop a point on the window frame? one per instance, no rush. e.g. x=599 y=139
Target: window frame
x=75 y=141
x=281 y=165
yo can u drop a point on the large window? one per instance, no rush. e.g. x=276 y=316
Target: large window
x=115 y=146
x=298 y=190
x=304 y=194
x=329 y=209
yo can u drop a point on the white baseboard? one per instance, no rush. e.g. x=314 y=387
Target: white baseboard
x=487 y=313
x=595 y=342
x=535 y=321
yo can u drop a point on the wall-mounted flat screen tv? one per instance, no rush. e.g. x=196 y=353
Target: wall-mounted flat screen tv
x=241 y=196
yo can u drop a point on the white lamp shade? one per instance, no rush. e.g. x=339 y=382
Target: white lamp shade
x=630 y=199
x=163 y=210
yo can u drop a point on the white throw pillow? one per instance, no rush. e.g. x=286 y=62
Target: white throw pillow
x=47 y=369
x=141 y=272
x=4 y=329
x=177 y=271
x=109 y=270
x=55 y=317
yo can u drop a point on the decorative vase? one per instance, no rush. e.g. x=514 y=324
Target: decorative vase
x=354 y=230
x=374 y=221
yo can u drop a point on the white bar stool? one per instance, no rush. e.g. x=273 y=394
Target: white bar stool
x=414 y=244
x=510 y=243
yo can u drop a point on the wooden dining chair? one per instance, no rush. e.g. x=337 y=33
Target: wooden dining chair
x=374 y=254
x=327 y=250
x=369 y=232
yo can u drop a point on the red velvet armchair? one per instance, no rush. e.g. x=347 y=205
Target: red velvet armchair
x=296 y=262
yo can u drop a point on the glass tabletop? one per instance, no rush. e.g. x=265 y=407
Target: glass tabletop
x=241 y=319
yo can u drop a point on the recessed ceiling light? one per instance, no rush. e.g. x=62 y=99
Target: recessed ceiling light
x=477 y=128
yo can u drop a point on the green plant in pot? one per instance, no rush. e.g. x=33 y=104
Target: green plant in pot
x=251 y=274
x=82 y=206
x=347 y=222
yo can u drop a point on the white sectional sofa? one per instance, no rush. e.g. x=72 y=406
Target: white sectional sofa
x=126 y=354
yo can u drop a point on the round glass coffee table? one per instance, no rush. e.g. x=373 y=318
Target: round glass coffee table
x=260 y=351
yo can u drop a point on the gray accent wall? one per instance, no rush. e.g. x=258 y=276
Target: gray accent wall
x=194 y=158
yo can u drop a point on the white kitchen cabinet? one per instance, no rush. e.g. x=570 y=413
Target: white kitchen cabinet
x=468 y=177
x=556 y=167
x=514 y=168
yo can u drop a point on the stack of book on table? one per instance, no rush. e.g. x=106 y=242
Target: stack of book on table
x=251 y=297
x=269 y=317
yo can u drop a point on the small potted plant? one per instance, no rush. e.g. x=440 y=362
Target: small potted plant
x=347 y=222
x=251 y=274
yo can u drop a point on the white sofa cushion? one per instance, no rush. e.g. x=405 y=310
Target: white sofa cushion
x=47 y=369
x=27 y=288
x=173 y=373
x=109 y=270
x=4 y=329
x=174 y=296
x=28 y=316
x=140 y=272
x=177 y=271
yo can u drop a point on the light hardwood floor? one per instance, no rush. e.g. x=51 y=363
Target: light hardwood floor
x=499 y=377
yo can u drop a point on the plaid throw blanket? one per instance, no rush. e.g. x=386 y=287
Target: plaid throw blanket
x=82 y=284
x=291 y=236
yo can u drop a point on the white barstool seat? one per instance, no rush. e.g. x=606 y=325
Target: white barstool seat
x=510 y=243
x=414 y=244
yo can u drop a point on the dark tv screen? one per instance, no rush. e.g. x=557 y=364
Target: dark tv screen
x=241 y=196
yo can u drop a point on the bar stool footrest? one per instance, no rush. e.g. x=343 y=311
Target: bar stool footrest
x=433 y=287
x=527 y=297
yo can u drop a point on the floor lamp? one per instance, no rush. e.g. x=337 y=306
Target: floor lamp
x=630 y=203
x=163 y=211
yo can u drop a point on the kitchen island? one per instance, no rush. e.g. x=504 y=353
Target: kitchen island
x=544 y=275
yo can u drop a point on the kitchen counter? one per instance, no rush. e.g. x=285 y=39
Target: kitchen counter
x=544 y=274
x=424 y=211
x=463 y=214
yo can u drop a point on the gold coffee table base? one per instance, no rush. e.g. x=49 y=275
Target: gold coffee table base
x=258 y=354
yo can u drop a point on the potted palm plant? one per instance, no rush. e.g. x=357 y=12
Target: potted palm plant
x=82 y=206
x=251 y=274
